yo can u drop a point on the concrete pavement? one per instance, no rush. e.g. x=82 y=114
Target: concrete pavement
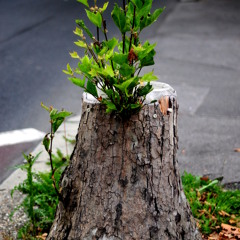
x=198 y=54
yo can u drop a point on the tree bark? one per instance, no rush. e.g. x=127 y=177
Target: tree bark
x=123 y=180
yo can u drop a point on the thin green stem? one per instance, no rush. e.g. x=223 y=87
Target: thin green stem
x=51 y=163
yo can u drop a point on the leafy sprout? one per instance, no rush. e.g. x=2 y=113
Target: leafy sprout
x=110 y=69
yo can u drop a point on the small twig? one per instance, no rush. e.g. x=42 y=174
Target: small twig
x=139 y=71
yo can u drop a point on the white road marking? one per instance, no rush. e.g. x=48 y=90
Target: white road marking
x=19 y=136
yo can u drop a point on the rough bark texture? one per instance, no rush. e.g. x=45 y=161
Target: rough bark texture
x=123 y=180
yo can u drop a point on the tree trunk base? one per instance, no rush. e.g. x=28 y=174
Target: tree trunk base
x=123 y=180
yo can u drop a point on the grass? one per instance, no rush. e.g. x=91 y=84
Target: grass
x=211 y=204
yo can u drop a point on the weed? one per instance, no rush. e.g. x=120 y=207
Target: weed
x=110 y=68
x=41 y=189
x=211 y=205
x=40 y=198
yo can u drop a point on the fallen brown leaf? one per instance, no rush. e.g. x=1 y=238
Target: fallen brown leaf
x=231 y=221
x=223 y=213
x=229 y=232
x=213 y=236
x=237 y=150
x=42 y=237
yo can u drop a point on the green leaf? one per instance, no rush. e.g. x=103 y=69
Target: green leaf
x=74 y=55
x=149 y=77
x=120 y=19
x=110 y=105
x=125 y=85
x=91 y=88
x=134 y=106
x=56 y=124
x=144 y=11
x=149 y=19
x=104 y=7
x=143 y=91
x=148 y=60
x=95 y=18
x=107 y=71
x=144 y=50
x=53 y=112
x=46 y=142
x=78 y=32
x=77 y=81
x=62 y=114
x=66 y=72
x=153 y=101
x=94 y=72
x=85 y=2
x=108 y=54
x=69 y=68
x=120 y=58
x=137 y=3
x=80 y=43
x=109 y=92
x=112 y=43
x=126 y=70
x=103 y=51
x=86 y=65
x=85 y=60
x=82 y=25
x=36 y=157
x=156 y=14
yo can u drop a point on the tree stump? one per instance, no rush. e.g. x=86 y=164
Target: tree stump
x=123 y=180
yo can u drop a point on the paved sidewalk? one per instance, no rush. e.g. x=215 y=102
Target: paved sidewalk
x=198 y=54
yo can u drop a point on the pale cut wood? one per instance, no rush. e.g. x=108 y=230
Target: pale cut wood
x=123 y=180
